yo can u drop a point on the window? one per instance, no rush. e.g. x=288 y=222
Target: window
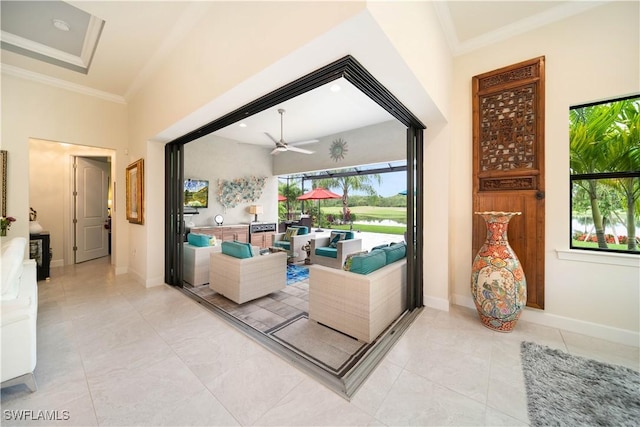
x=605 y=175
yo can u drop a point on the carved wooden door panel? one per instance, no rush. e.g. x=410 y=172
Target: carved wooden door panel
x=508 y=162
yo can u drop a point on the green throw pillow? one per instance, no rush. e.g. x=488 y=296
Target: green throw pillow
x=348 y=261
x=291 y=231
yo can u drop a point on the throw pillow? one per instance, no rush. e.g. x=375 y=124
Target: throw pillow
x=349 y=260
x=384 y=245
x=289 y=234
x=336 y=236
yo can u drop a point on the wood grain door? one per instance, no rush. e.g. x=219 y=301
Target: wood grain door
x=508 y=162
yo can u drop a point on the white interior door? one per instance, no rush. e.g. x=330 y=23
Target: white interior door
x=91 y=195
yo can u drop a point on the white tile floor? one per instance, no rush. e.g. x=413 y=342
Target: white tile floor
x=111 y=352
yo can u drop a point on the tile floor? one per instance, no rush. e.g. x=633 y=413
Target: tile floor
x=263 y=313
x=111 y=352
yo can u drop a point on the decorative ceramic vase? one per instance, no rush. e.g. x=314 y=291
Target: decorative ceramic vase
x=35 y=227
x=498 y=285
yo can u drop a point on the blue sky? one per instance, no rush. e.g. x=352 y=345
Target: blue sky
x=392 y=183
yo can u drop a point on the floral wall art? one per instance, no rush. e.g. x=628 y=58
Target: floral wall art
x=240 y=190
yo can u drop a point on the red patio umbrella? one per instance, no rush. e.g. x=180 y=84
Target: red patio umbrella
x=318 y=194
x=281 y=198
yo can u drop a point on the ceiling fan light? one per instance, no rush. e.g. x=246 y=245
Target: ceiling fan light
x=61 y=25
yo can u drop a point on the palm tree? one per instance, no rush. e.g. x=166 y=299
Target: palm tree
x=351 y=183
x=590 y=130
x=290 y=192
x=624 y=152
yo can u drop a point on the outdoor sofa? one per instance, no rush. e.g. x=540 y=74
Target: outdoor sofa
x=364 y=301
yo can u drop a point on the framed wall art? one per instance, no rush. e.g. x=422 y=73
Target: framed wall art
x=135 y=192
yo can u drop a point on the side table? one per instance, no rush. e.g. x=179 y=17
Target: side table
x=40 y=250
x=196 y=263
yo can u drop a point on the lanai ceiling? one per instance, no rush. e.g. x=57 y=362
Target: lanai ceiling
x=108 y=48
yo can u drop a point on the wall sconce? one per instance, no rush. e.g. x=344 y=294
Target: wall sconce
x=255 y=210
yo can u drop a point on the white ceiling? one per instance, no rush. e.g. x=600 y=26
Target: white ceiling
x=119 y=65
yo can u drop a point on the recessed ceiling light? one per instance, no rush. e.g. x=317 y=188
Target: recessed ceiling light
x=335 y=87
x=61 y=25
x=243 y=125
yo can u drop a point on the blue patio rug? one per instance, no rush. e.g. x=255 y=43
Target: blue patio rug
x=296 y=273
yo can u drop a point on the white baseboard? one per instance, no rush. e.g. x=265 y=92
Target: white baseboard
x=56 y=263
x=156 y=281
x=540 y=317
x=437 y=303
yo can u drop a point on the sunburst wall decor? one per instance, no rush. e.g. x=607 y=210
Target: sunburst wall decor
x=338 y=149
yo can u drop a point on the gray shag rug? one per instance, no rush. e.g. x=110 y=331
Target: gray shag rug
x=567 y=390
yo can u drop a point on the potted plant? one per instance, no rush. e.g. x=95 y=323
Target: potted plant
x=5 y=224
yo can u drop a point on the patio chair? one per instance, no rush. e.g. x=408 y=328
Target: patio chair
x=293 y=241
x=331 y=251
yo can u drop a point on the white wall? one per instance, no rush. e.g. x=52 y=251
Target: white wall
x=214 y=158
x=32 y=110
x=589 y=57
x=50 y=191
x=384 y=142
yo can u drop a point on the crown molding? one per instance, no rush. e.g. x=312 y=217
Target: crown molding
x=62 y=84
x=513 y=29
x=45 y=53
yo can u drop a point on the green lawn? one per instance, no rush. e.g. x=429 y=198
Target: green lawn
x=385 y=229
x=370 y=213
x=581 y=244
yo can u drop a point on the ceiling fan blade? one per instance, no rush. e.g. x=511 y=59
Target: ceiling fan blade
x=271 y=137
x=309 y=141
x=276 y=151
x=299 y=150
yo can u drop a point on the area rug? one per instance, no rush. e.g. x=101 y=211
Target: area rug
x=296 y=273
x=567 y=390
x=327 y=347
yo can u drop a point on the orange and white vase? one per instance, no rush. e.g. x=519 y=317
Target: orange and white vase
x=498 y=285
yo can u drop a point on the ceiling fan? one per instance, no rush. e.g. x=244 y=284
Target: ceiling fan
x=282 y=145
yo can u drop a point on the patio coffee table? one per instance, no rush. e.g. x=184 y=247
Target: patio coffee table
x=290 y=255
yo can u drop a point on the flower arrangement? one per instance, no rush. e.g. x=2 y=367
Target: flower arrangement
x=5 y=224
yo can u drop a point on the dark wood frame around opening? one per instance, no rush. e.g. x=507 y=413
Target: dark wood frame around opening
x=351 y=70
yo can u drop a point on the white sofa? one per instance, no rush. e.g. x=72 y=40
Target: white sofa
x=19 y=307
x=359 y=305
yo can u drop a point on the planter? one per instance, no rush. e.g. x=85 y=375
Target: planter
x=498 y=285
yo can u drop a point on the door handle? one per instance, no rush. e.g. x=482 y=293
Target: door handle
x=540 y=195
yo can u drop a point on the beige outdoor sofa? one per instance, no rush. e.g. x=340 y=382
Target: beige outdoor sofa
x=245 y=279
x=359 y=305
